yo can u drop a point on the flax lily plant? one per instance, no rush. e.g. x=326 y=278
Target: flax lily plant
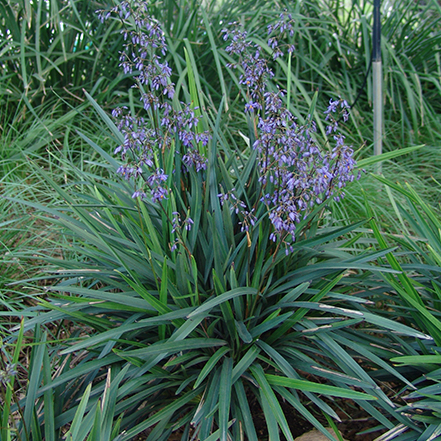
x=208 y=284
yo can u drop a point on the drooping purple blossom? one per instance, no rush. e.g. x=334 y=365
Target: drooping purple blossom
x=255 y=68
x=156 y=182
x=339 y=106
x=285 y=25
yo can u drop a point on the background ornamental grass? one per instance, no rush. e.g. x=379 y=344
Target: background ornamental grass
x=130 y=318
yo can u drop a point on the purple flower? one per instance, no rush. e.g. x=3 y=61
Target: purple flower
x=156 y=178
x=174 y=246
x=223 y=197
x=250 y=106
x=188 y=223
x=334 y=107
x=139 y=194
x=159 y=193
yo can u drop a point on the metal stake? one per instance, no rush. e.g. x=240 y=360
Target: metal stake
x=378 y=83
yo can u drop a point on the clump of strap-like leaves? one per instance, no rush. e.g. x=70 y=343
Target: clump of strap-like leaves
x=198 y=319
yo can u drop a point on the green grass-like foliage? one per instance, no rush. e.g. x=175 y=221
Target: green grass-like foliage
x=197 y=330
x=151 y=329
x=53 y=48
x=207 y=336
x=414 y=295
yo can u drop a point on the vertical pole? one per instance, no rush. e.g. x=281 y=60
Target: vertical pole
x=378 y=83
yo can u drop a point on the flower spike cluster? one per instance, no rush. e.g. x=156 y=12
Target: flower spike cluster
x=144 y=49
x=295 y=172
